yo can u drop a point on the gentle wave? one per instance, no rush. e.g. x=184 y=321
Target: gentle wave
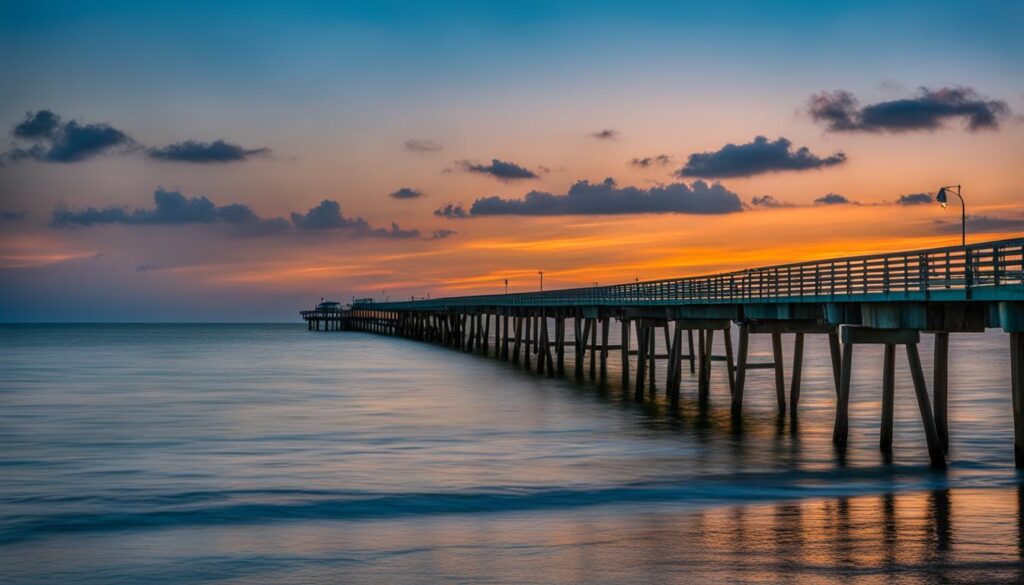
x=244 y=507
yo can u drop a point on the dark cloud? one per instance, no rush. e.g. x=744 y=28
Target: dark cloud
x=442 y=234
x=501 y=170
x=218 y=151
x=452 y=211
x=651 y=161
x=930 y=109
x=915 y=199
x=752 y=158
x=171 y=208
x=422 y=146
x=982 y=224
x=833 y=199
x=146 y=268
x=585 y=198
x=12 y=215
x=406 y=193
x=65 y=142
x=42 y=124
x=327 y=217
x=768 y=201
x=54 y=140
x=606 y=134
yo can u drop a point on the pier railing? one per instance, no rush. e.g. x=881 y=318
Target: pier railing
x=952 y=272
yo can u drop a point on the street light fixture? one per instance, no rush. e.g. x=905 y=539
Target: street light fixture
x=541 y=273
x=506 y=286
x=943 y=198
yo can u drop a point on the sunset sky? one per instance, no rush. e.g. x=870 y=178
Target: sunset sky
x=172 y=162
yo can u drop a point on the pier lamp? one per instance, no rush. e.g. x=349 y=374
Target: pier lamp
x=541 y=273
x=506 y=286
x=943 y=198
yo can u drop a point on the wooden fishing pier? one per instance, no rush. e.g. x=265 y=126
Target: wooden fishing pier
x=885 y=299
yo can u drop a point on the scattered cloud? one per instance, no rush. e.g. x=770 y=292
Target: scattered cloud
x=406 y=193
x=422 y=146
x=833 y=199
x=42 y=124
x=218 y=151
x=146 y=268
x=442 y=234
x=170 y=208
x=929 y=109
x=982 y=224
x=756 y=157
x=501 y=170
x=452 y=211
x=914 y=199
x=56 y=141
x=13 y=214
x=327 y=217
x=660 y=160
x=606 y=134
x=586 y=198
x=768 y=202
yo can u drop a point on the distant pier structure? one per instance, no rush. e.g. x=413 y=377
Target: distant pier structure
x=885 y=299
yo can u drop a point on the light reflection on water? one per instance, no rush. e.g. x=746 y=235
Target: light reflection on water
x=187 y=453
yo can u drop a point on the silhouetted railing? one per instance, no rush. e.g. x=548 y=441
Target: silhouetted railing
x=917 y=274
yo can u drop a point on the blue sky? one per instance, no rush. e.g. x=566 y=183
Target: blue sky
x=332 y=91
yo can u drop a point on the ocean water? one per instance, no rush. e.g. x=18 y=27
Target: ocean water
x=270 y=454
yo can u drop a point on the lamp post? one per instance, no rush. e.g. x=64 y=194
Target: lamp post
x=541 y=273
x=943 y=199
x=506 y=286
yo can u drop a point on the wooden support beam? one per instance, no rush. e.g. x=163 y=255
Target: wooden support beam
x=940 y=386
x=935 y=452
x=487 y=333
x=504 y=337
x=842 y=425
x=675 y=365
x=888 y=397
x=693 y=362
x=548 y=357
x=790 y=326
x=519 y=340
x=537 y=334
x=651 y=354
x=704 y=382
x=526 y=354
x=625 y=339
x=798 y=362
x=497 y=335
x=641 y=370
x=605 y=323
x=780 y=375
x=730 y=367
x=543 y=347
x=593 y=348
x=1017 y=392
x=856 y=334
x=837 y=359
x=741 y=348
x=581 y=343
x=560 y=343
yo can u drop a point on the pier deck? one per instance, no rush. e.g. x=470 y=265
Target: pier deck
x=887 y=299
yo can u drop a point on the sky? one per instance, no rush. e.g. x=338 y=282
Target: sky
x=186 y=162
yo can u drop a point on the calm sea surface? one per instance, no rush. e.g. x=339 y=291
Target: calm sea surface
x=270 y=454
